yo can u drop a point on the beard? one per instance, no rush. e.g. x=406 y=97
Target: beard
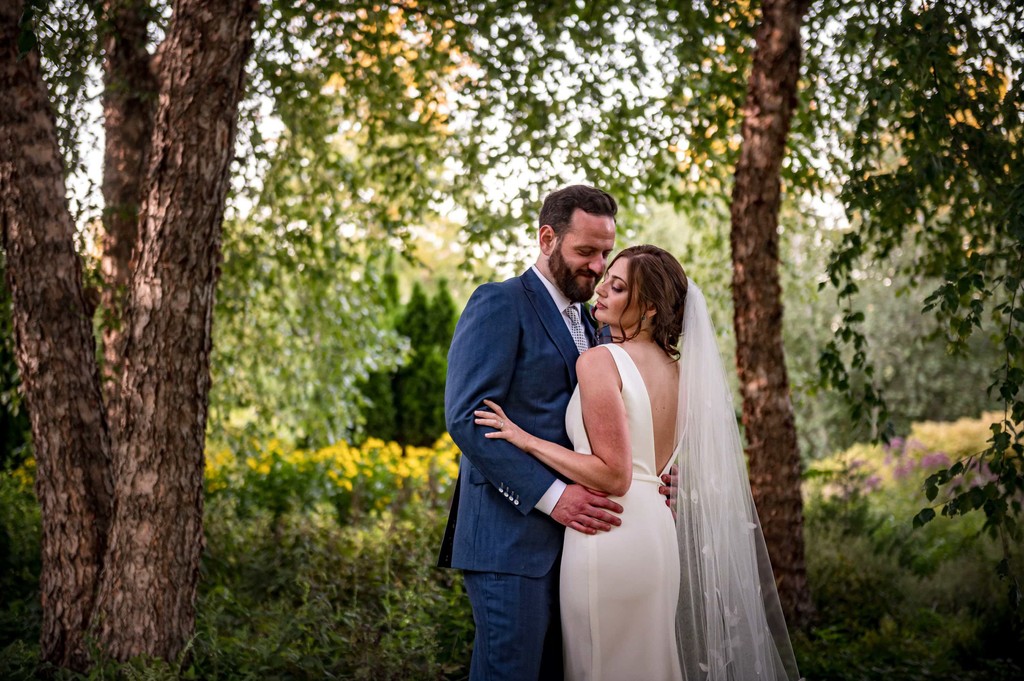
x=566 y=280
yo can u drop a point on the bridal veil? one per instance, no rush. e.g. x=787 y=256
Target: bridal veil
x=729 y=623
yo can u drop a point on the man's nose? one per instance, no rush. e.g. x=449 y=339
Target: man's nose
x=597 y=266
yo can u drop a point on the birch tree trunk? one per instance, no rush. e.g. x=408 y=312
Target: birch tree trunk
x=773 y=451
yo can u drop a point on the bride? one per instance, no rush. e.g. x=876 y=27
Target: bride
x=681 y=595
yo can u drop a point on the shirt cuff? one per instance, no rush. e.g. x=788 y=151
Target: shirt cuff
x=546 y=504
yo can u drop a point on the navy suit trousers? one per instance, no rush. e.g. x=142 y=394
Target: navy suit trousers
x=518 y=631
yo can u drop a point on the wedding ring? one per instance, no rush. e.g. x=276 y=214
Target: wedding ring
x=501 y=424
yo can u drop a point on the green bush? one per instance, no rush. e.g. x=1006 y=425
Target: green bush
x=308 y=599
x=375 y=477
x=894 y=602
x=286 y=590
x=295 y=587
x=301 y=597
x=20 y=613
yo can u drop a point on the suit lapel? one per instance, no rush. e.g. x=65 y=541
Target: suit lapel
x=551 y=318
x=588 y=324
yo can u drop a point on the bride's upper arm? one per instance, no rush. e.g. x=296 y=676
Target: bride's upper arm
x=604 y=413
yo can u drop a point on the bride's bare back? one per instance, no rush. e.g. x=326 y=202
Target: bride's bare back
x=661 y=378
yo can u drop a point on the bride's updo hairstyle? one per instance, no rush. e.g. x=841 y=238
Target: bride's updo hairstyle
x=656 y=279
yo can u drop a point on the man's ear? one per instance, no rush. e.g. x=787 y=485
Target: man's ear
x=548 y=239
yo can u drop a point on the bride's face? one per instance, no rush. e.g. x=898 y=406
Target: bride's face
x=612 y=307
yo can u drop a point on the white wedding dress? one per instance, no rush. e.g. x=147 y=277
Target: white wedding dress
x=619 y=589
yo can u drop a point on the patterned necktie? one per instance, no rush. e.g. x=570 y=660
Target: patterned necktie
x=579 y=336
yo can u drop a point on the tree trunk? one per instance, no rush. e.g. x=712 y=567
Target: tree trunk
x=129 y=98
x=146 y=603
x=773 y=452
x=55 y=351
x=121 y=552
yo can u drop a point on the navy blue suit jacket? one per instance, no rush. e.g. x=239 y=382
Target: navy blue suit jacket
x=511 y=345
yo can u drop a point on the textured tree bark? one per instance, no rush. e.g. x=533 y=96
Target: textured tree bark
x=146 y=602
x=773 y=451
x=55 y=352
x=123 y=571
x=129 y=98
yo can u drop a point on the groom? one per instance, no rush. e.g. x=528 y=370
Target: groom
x=517 y=343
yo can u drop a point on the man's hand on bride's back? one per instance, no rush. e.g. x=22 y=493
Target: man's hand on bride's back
x=587 y=511
x=670 y=487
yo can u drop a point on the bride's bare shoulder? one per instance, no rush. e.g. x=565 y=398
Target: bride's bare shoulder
x=597 y=355
x=597 y=364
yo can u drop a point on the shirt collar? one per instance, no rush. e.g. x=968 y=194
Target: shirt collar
x=561 y=302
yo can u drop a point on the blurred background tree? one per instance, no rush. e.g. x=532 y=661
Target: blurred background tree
x=932 y=175
x=406 y=405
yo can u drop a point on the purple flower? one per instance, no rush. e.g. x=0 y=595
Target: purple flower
x=895 y=445
x=914 y=445
x=904 y=468
x=935 y=460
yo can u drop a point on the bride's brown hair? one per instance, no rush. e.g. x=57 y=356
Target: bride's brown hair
x=656 y=279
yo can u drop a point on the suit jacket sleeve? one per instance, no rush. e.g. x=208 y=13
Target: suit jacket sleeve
x=481 y=364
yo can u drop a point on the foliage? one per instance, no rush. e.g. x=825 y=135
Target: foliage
x=352 y=148
x=895 y=601
x=921 y=380
x=20 y=542
x=348 y=481
x=316 y=600
x=639 y=98
x=342 y=145
x=15 y=432
x=291 y=343
x=411 y=399
x=312 y=600
x=347 y=135
x=931 y=115
x=289 y=592
x=287 y=589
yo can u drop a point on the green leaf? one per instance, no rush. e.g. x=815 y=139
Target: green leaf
x=854 y=317
x=924 y=517
x=26 y=42
x=1012 y=344
x=975 y=497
